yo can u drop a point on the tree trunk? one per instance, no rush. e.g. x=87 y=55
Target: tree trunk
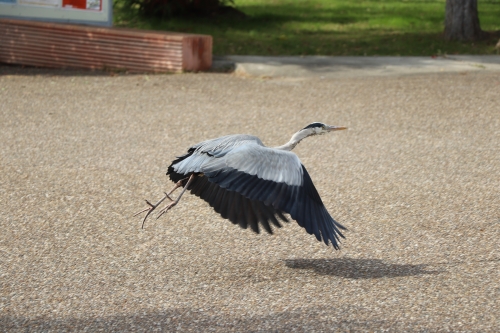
x=462 y=21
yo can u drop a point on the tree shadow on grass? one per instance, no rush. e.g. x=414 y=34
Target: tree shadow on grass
x=351 y=268
x=337 y=28
x=272 y=16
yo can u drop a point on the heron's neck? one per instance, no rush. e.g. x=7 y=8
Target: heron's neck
x=296 y=138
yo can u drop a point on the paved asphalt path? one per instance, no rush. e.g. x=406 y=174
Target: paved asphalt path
x=415 y=179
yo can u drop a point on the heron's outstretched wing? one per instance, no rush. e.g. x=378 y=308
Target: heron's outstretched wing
x=302 y=202
x=235 y=207
x=230 y=204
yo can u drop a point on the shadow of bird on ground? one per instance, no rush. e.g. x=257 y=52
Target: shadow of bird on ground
x=352 y=268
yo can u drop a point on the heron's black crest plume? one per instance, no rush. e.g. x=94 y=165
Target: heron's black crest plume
x=314 y=125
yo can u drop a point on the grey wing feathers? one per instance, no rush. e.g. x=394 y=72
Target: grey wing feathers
x=244 y=153
x=265 y=163
x=206 y=151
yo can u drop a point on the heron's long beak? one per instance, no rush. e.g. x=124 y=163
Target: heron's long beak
x=336 y=128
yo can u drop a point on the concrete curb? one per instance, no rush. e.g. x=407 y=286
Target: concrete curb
x=334 y=67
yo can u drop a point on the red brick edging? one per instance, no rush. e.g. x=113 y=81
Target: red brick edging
x=76 y=46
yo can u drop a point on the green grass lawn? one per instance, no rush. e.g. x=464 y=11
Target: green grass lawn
x=328 y=27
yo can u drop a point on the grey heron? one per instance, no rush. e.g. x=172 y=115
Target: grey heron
x=249 y=183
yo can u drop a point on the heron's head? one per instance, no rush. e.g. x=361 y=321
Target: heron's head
x=320 y=128
x=309 y=130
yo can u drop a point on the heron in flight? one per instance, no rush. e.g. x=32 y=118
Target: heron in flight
x=249 y=183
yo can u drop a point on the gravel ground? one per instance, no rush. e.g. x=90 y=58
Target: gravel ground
x=415 y=179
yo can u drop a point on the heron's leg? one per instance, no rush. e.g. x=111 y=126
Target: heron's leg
x=173 y=203
x=152 y=207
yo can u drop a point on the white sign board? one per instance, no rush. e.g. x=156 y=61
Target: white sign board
x=92 y=12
